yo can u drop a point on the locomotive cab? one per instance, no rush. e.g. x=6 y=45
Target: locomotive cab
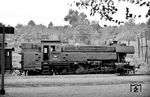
x=51 y=50
x=51 y=55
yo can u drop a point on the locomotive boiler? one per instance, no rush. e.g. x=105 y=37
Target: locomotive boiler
x=54 y=57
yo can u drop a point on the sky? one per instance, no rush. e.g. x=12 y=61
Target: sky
x=43 y=12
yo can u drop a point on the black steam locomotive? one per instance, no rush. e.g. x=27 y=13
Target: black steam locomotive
x=54 y=57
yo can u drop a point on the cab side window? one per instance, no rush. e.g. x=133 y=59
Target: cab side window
x=53 y=48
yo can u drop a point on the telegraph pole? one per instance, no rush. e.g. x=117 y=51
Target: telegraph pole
x=146 y=52
x=2 y=91
x=4 y=30
x=142 y=46
x=139 y=46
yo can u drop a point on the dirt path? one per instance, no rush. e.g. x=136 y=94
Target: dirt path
x=122 y=90
x=76 y=86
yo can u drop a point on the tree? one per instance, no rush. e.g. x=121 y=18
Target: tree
x=1 y=24
x=127 y=31
x=80 y=27
x=74 y=18
x=96 y=25
x=148 y=26
x=83 y=34
x=148 y=22
x=31 y=23
x=82 y=31
x=50 y=25
x=19 y=26
x=109 y=32
x=107 y=8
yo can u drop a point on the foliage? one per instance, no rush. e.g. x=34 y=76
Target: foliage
x=74 y=18
x=50 y=25
x=81 y=30
x=31 y=23
x=107 y=8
